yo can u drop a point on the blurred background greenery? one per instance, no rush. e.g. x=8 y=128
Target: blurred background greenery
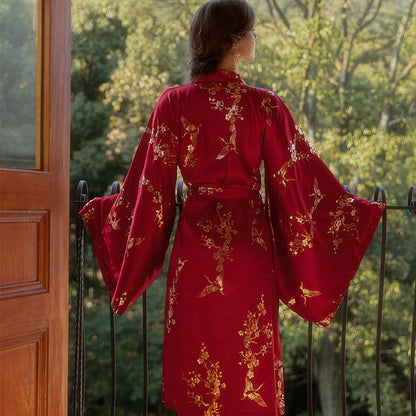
x=346 y=69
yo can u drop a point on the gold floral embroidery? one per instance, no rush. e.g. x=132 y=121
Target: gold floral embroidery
x=268 y=107
x=117 y=302
x=206 y=190
x=134 y=241
x=301 y=226
x=269 y=217
x=113 y=219
x=157 y=199
x=278 y=367
x=296 y=155
x=211 y=87
x=89 y=213
x=235 y=92
x=162 y=151
x=212 y=383
x=172 y=295
x=253 y=348
x=225 y=231
x=256 y=235
x=344 y=209
x=193 y=132
x=326 y=321
x=300 y=137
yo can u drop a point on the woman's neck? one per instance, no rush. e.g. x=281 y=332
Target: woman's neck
x=229 y=63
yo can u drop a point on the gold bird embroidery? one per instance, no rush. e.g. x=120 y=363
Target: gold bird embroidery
x=193 y=132
x=253 y=394
x=306 y=293
x=215 y=286
x=134 y=242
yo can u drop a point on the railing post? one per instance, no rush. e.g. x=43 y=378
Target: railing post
x=115 y=189
x=310 y=372
x=343 y=354
x=78 y=384
x=380 y=190
x=412 y=203
x=145 y=357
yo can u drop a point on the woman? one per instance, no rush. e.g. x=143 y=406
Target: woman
x=233 y=256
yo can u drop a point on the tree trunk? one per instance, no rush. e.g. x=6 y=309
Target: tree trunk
x=328 y=377
x=311 y=114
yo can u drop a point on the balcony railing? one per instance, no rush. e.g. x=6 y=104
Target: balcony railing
x=78 y=383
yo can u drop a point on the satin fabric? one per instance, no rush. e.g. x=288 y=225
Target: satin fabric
x=234 y=254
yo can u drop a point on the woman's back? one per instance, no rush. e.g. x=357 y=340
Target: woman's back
x=221 y=123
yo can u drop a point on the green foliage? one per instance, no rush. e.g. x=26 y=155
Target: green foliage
x=98 y=43
x=335 y=73
x=18 y=84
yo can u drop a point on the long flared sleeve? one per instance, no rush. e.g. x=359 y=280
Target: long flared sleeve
x=320 y=231
x=131 y=230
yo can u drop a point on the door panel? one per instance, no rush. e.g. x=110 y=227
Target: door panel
x=27 y=382
x=34 y=233
x=26 y=232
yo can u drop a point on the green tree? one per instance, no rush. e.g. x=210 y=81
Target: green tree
x=98 y=42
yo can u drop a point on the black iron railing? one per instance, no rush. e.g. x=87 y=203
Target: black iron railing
x=78 y=383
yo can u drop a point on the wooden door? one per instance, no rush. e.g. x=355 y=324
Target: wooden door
x=34 y=206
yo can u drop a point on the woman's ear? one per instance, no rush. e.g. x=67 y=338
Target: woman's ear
x=235 y=50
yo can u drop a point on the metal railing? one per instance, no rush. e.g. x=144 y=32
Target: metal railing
x=78 y=384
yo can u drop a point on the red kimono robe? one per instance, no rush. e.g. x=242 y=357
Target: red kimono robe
x=233 y=256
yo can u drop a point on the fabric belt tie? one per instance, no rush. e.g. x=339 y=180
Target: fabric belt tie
x=223 y=192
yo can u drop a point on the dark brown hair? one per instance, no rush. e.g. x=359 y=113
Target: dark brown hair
x=215 y=27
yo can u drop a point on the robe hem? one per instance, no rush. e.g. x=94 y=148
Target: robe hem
x=200 y=412
x=101 y=251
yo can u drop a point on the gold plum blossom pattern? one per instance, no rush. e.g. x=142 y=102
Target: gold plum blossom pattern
x=172 y=295
x=300 y=137
x=268 y=106
x=297 y=153
x=253 y=348
x=133 y=242
x=256 y=234
x=278 y=368
x=162 y=151
x=89 y=213
x=119 y=301
x=211 y=381
x=113 y=220
x=193 y=132
x=300 y=228
x=340 y=223
x=223 y=228
x=157 y=199
x=233 y=112
x=326 y=321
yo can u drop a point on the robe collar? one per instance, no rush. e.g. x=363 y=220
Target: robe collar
x=221 y=76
